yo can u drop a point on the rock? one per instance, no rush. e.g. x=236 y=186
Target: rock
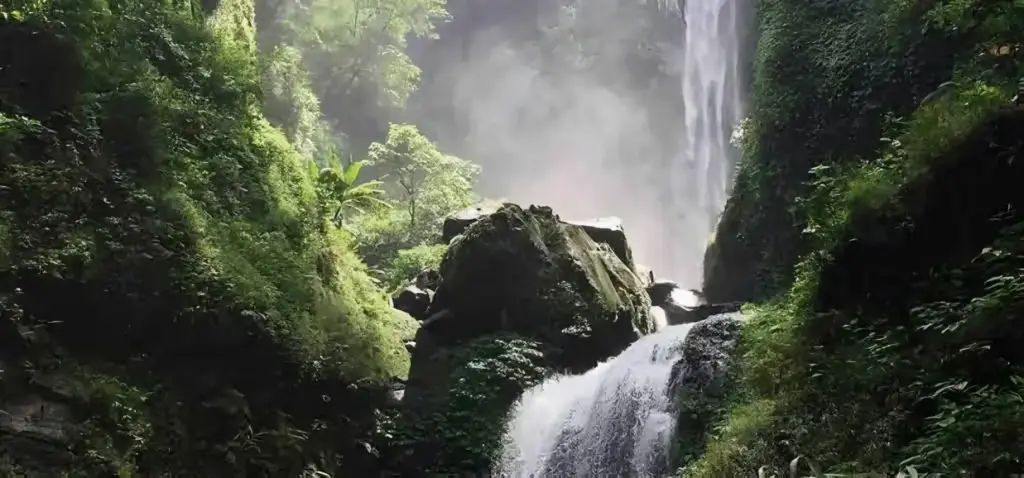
x=701 y=381
x=682 y=306
x=528 y=273
x=458 y=223
x=413 y=301
x=608 y=230
x=37 y=424
x=427 y=279
x=410 y=346
x=521 y=294
x=645 y=273
x=395 y=397
x=659 y=291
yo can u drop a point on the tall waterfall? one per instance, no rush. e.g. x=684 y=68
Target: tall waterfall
x=615 y=420
x=713 y=96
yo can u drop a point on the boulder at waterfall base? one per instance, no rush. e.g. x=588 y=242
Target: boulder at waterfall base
x=521 y=295
x=701 y=382
x=525 y=272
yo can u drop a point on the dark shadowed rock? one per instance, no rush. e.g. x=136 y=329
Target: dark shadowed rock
x=427 y=279
x=701 y=380
x=413 y=301
x=659 y=291
x=458 y=223
x=683 y=306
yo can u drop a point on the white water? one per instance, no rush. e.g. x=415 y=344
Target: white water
x=615 y=420
x=712 y=96
x=618 y=418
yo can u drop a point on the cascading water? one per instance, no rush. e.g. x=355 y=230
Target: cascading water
x=615 y=420
x=619 y=418
x=713 y=102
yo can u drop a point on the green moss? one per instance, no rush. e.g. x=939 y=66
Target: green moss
x=182 y=235
x=554 y=279
x=488 y=374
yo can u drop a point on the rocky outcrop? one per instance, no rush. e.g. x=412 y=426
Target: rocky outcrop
x=457 y=223
x=37 y=425
x=701 y=381
x=413 y=301
x=605 y=230
x=609 y=230
x=529 y=288
x=525 y=272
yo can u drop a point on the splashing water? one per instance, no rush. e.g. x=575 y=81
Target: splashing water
x=615 y=420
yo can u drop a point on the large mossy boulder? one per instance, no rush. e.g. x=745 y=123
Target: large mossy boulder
x=524 y=272
x=539 y=296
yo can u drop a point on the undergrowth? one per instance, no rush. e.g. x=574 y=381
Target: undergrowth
x=152 y=217
x=881 y=347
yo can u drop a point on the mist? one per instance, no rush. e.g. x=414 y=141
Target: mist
x=582 y=138
x=562 y=141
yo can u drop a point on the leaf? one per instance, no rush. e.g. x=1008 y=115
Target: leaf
x=352 y=172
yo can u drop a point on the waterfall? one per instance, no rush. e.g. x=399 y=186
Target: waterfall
x=713 y=101
x=615 y=420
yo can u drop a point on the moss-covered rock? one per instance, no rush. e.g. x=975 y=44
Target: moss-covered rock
x=560 y=299
x=523 y=271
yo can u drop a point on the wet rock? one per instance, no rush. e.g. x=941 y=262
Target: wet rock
x=701 y=380
x=659 y=291
x=413 y=301
x=683 y=306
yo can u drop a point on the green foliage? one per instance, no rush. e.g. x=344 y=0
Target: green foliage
x=412 y=261
x=424 y=183
x=489 y=374
x=185 y=238
x=289 y=101
x=858 y=382
x=337 y=186
x=825 y=93
x=354 y=52
x=429 y=184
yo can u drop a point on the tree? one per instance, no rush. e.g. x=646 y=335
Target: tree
x=355 y=53
x=337 y=184
x=429 y=183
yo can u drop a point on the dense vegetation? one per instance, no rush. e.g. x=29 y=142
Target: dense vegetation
x=876 y=224
x=186 y=263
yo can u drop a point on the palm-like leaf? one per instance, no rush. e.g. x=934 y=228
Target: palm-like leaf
x=364 y=196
